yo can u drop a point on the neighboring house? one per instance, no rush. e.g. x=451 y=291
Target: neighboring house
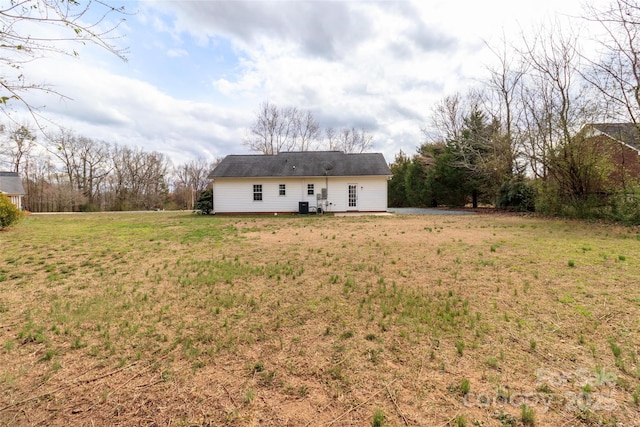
x=11 y=186
x=300 y=182
x=621 y=143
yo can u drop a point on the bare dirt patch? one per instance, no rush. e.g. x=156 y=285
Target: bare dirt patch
x=168 y=319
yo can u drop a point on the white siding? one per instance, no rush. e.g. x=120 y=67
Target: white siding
x=17 y=200
x=371 y=193
x=235 y=195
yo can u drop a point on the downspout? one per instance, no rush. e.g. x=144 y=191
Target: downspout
x=326 y=185
x=213 y=192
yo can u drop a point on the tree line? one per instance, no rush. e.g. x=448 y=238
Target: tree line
x=515 y=139
x=70 y=172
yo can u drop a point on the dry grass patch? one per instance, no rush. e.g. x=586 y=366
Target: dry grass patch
x=173 y=318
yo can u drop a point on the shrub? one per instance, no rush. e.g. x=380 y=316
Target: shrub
x=625 y=206
x=205 y=202
x=517 y=194
x=9 y=213
x=548 y=199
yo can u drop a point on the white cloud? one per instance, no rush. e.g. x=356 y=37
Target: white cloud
x=177 y=53
x=129 y=111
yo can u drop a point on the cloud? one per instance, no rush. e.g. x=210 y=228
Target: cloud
x=430 y=40
x=331 y=30
x=325 y=29
x=128 y=111
x=177 y=53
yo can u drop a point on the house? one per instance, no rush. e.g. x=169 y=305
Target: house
x=11 y=186
x=300 y=182
x=621 y=143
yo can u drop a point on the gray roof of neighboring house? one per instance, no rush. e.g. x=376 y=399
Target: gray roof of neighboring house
x=10 y=183
x=301 y=164
x=626 y=133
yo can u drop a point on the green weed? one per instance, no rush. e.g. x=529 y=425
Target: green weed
x=465 y=386
x=615 y=349
x=460 y=421
x=379 y=418
x=249 y=396
x=527 y=415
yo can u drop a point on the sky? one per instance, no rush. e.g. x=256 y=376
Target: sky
x=197 y=71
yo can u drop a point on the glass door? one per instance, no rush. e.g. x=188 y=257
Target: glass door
x=353 y=197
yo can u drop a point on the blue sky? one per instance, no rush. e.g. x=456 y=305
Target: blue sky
x=198 y=70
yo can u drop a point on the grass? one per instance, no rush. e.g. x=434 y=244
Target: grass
x=465 y=386
x=528 y=415
x=192 y=320
x=378 y=418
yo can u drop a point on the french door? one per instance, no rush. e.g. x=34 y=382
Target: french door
x=352 y=197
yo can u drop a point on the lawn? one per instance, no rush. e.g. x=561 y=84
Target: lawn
x=178 y=319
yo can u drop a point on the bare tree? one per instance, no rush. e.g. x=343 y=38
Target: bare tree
x=306 y=130
x=31 y=29
x=86 y=162
x=17 y=142
x=616 y=75
x=271 y=130
x=332 y=139
x=349 y=140
x=505 y=88
x=551 y=96
x=195 y=173
x=38 y=175
x=446 y=119
x=191 y=180
x=557 y=104
x=139 y=179
x=282 y=129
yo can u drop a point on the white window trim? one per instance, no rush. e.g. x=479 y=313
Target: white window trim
x=255 y=193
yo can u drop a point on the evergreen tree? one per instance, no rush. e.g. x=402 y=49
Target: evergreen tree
x=397 y=194
x=205 y=202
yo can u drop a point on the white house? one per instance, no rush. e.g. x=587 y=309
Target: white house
x=300 y=182
x=11 y=186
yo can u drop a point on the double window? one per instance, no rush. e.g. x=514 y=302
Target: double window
x=257 y=192
x=310 y=190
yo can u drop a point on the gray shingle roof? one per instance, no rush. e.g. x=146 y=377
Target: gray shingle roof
x=10 y=183
x=627 y=133
x=301 y=164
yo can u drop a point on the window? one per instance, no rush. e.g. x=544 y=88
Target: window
x=282 y=189
x=310 y=190
x=257 y=192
